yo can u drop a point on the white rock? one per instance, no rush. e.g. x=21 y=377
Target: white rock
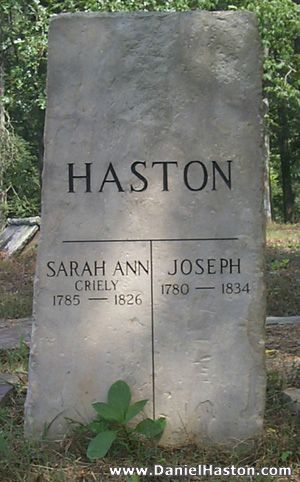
x=292 y=395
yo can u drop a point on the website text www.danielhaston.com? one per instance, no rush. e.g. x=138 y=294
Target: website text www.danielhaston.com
x=201 y=470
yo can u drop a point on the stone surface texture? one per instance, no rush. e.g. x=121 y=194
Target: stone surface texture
x=14 y=331
x=17 y=234
x=292 y=396
x=282 y=320
x=152 y=87
x=9 y=379
x=7 y=384
x=6 y=390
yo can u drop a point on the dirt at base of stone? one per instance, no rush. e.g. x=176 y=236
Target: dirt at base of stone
x=283 y=352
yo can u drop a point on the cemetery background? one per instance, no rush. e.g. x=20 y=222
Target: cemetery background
x=24 y=102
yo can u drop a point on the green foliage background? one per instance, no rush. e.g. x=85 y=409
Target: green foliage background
x=23 y=56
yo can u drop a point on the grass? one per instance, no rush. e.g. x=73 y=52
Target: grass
x=285 y=234
x=16 y=285
x=21 y=460
x=283 y=270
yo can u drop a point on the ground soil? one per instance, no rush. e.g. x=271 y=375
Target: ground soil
x=283 y=270
x=283 y=352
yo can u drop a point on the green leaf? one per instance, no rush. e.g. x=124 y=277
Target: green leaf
x=286 y=455
x=134 y=409
x=119 y=396
x=100 y=445
x=108 y=412
x=151 y=428
x=98 y=426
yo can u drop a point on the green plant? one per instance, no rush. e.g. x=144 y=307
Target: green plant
x=21 y=180
x=3 y=445
x=111 y=424
x=15 y=360
x=278 y=264
x=286 y=455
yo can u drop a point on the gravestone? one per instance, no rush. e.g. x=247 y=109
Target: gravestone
x=150 y=265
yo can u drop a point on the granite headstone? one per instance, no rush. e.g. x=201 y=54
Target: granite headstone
x=150 y=265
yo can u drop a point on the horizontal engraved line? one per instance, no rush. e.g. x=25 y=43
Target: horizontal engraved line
x=97 y=299
x=205 y=288
x=144 y=240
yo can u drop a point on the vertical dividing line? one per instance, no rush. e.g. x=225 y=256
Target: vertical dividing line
x=152 y=329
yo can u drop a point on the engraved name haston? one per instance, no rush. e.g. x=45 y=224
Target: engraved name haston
x=195 y=175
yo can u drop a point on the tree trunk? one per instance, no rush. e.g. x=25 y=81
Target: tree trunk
x=267 y=197
x=285 y=160
x=267 y=194
x=2 y=134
